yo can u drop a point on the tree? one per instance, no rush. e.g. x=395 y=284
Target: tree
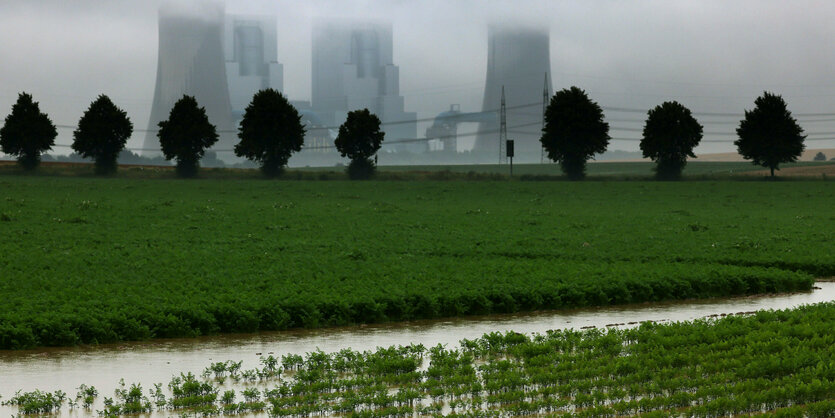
x=574 y=131
x=819 y=157
x=769 y=135
x=359 y=139
x=270 y=131
x=27 y=132
x=102 y=133
x=670 y=134
x=186 y=135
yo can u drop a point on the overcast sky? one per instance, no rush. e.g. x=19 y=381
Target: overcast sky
x=714 y=56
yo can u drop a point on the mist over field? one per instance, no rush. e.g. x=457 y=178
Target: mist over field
x=715 y=57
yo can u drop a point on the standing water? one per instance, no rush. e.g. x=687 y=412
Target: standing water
x=157 y=361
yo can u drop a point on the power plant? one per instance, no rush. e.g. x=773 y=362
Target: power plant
x=223 y=60
x=353 y=69
x=518 y=64
x=191 y=61
x=251 y=54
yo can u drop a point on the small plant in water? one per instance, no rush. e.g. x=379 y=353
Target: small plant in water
x=37 y=402
x=86 y=395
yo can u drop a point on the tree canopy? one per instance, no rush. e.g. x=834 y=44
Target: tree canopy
x=769 y=135
x=574 y=131
x=359 y=139
x=27 y=132
x=670 y=134
x=186 y=135
x=271 y=130
x=102 y=133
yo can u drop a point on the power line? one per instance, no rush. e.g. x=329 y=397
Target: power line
x=396 y=141
x=397 y=122
x=717 y=122
x=717 y=141
x=717 y=114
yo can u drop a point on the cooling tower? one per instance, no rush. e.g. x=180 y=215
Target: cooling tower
x=518 y=58
x=191 y=61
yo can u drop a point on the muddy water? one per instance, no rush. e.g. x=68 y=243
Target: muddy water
x=157 y=361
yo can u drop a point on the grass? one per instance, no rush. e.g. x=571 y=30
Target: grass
x=90 y=260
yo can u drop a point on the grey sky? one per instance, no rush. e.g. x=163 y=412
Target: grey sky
x=711 y=55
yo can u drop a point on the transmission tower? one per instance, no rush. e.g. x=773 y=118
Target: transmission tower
x=502 y=129
x=544 y=108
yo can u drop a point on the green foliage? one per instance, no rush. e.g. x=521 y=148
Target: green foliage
x=820 y=156
x=359 y=139
x=38 y=402
x=271 y=130
x=574 y=131
x=27 y=132
x=769 y=135
x=102 y=133
x=186 y=135
x=670 y=134
x=86 y=395
x=172 y=258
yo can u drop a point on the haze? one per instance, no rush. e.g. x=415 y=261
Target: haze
x=712 y=56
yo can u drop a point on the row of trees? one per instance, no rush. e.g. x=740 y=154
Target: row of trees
x=270 y=132
x=575 y=131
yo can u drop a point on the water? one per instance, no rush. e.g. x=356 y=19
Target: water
x=157 y=361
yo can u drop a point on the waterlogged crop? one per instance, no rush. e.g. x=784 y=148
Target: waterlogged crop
x=37 y=402
x=86 y=396
x=776 y=363
x=87 y=261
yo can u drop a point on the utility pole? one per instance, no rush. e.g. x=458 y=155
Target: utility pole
x=502 y=129
x=544 y=108
x=510 y=153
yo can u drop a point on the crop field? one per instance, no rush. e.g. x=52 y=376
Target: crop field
x=772 y=363
x=89 y=260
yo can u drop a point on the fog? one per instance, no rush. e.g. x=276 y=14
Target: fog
x=713 y=56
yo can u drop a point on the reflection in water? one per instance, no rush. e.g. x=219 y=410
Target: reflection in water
x=156 y=361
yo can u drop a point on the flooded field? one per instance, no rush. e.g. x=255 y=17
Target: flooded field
x=157 y=361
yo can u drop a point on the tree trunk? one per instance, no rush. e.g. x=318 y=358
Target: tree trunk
x=772 y=171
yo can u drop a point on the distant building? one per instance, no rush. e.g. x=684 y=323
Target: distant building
x=251 y=53
x=220 y=60
x=353 y=69
x=191 y=61
x=318 y=136
x=518 y=59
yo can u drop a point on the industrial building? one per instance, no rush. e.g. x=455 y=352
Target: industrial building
x=220 y=60
x=518 y=60
x=191 y=61
x=223 y=60
x=353 y=69
x=251 y=53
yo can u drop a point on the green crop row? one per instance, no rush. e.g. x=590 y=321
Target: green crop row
x=102 y=260
x=135 y=311
x=777 y=362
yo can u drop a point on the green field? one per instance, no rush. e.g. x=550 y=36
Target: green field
x=88 y=260
x=770 y=363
